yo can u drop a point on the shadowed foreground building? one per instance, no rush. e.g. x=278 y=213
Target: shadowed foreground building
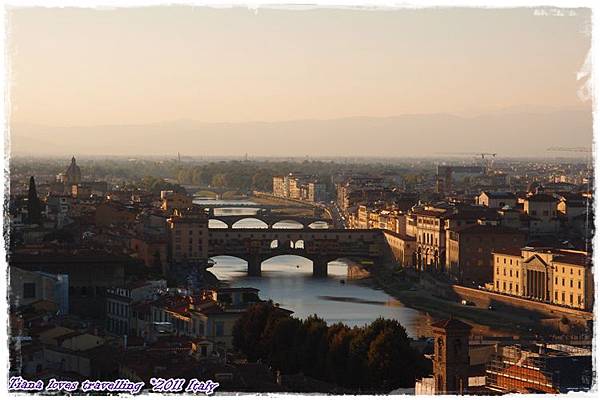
x=467 y=365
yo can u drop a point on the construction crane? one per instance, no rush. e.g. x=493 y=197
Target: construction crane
x=587 y=150
x=571 y=149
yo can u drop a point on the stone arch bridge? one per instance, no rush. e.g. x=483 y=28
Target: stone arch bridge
x=269 y=220
x=321 y=246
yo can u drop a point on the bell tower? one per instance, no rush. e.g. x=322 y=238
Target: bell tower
x=451 y=356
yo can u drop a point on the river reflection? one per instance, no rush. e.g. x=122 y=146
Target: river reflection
x=288 y=280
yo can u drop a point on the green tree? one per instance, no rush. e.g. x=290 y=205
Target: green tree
x=219 y=180
x=198 y=176
x=390 y=360
x=339 y=337
x=280 y=343
x=313 y=346
x=249 y=329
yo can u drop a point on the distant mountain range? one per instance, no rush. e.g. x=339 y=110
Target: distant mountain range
x=508 y=132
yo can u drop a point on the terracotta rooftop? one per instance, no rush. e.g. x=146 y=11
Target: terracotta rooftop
x=482 y=229
x=514 y=251
x=451 y=323
x=500 y=195
x=542 y=197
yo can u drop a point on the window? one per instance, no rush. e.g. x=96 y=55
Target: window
x=571 y=271
x=504 y=286
x=497 y=284
x=510 y=286
x=556 y=296
x=563 y=296
x=511 y=262
x=578 y=284
x=571 y=282
x=517 y=288
x=29 y=290
x=219 y=328
x=571 y=298
x=517 y=273
x=510 y=273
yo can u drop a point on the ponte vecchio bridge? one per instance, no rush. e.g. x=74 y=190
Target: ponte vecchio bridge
x=321 y=246
x=264 y=214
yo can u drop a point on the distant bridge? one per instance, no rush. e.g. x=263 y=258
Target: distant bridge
x=321 y=246
x=217 y=191
x=269 y=220
x=249 y=204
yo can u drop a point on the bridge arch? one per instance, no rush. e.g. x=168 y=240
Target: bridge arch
x=250 y=223
x=215 y=223
x=319 y=225
x=298 y=261
x=282 y=224
x=228 y=263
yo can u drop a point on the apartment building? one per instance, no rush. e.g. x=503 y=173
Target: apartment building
x=299 y=187
x=496 y=199
x=469 y=250
x=188 y=234
x=171 y=200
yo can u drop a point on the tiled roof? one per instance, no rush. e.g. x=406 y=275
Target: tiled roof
x=451 y=324
x=513 y=251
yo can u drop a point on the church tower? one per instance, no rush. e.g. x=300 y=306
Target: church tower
x=451 y=356
x=73 y=174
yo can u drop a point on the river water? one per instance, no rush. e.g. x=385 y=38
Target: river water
x=288 y=281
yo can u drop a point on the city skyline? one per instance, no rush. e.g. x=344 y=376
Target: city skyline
x=159 y=75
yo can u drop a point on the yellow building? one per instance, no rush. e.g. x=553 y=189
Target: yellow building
x=558 y=276
x=508 y=272
x=280 y=188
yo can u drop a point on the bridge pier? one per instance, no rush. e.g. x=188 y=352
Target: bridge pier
x=254 y=266
x=320 y=268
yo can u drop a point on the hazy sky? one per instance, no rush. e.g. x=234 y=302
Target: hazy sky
x=144 y=65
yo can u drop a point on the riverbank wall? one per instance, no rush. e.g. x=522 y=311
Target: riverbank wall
x=548 y=314
x=357 y=271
